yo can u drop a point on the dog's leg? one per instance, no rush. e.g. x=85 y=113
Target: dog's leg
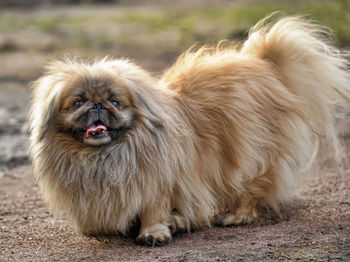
x=243 y=208
x=179 y=223
x=245 y=213
x=154 y=228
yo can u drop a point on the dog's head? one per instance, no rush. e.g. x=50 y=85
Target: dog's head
x=93 y=103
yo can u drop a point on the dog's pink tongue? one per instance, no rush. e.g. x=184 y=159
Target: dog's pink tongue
x=93 y=129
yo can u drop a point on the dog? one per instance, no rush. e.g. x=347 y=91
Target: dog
x=223 y=131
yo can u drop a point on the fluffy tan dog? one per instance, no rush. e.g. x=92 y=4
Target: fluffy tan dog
x=225 y=129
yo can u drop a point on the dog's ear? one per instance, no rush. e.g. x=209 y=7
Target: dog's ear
x=143 y=90
x=45 y=105
x=146 y=108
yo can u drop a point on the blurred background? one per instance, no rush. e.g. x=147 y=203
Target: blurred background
x=152 y=33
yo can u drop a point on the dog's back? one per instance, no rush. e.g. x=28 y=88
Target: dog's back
x=259 y=111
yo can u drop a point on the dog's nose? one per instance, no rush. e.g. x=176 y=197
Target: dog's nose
x=98 y=106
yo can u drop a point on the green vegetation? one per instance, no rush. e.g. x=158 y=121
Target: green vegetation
x=178 y=28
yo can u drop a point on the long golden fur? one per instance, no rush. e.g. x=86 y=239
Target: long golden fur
x=225 y=128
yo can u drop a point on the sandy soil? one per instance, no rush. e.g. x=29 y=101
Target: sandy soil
x=315 y=227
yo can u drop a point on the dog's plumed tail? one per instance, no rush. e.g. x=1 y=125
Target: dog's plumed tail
x=315 y=71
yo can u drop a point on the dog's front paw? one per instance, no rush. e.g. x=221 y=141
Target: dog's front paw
x=241 y=217
x=155 y=235
x=179 y=224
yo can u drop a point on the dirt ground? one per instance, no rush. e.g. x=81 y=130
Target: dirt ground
x=315 y=227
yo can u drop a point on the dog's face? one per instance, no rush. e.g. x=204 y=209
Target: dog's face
x=95 y=104
x=96 y=111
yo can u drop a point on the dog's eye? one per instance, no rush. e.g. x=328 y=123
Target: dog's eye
x=77 y=104
x=115 y=103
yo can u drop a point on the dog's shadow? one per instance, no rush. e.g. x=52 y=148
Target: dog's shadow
x=269 y=216
x=266 y=217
